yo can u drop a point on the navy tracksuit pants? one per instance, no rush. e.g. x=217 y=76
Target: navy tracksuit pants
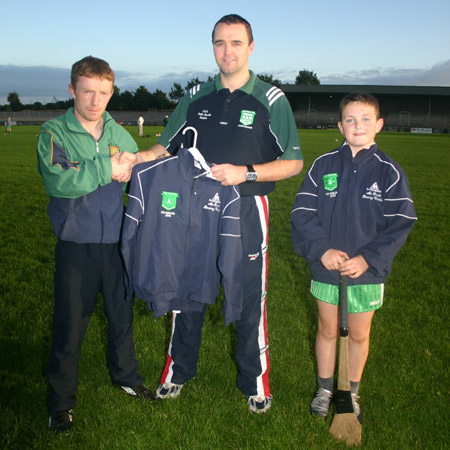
x=252 y=355
x=81 y=272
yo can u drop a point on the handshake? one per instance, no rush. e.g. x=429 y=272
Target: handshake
x=122 y=164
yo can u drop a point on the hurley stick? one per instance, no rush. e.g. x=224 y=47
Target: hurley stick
x=345 y=425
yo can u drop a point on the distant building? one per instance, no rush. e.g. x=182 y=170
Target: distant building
x=402 y=107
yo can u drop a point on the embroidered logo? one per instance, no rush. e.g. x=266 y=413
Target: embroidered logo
x=169 y=200
x=113 y=149
x=204 y=114
x=373 y=193
x=247 y=117
x=214 y=203
x=330 y=181
x=374 y=188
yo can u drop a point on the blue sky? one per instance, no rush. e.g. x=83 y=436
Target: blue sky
x=155 y=44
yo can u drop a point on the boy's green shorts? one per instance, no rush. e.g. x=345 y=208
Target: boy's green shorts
x=361 y=298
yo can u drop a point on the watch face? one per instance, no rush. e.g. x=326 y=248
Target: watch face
x=251 y=176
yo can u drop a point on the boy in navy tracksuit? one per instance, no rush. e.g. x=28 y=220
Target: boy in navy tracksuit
x=351 y=215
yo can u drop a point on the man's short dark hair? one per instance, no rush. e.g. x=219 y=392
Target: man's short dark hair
x=91 y=67
x=233 y=19
x=359 y=97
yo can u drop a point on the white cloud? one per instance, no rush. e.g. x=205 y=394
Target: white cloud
x=41 y=83
x=152 y=82
x=437 y=75
x=35 y=83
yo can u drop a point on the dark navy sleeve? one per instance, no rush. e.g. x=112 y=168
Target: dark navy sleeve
x=131 y=223
x=308 y=236
x=230 y=256
x=400 y=216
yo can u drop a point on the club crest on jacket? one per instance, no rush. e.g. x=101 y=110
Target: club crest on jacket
x=330 y=181
x=169 y=200
x=113 y=149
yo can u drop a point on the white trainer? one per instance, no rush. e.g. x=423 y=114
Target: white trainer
x=258 y=403
x=168 y=390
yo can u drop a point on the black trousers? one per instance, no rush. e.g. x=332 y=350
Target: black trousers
x=81 y=272
x=252 y=348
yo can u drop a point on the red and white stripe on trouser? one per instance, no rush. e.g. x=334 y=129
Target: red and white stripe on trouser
x=263 y=379
x=167 y=374
x=252 y=350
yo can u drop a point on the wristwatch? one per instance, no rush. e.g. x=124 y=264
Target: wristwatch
x=251 y=174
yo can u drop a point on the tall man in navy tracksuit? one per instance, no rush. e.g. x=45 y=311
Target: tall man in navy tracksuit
x=247 y=129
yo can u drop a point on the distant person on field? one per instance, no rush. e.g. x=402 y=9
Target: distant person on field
x=165 y=120
x=351 y=216
x=7 y=126
x=140 y=124
x=78 y=158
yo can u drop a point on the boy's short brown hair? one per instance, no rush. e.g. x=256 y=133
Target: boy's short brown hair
x=91 y=67
x=359 y=97
x=233 y=19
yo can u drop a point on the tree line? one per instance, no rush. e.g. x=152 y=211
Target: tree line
x=141 y=99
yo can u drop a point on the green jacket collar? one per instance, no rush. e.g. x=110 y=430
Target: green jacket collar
x=74 y=125
x=247 y=88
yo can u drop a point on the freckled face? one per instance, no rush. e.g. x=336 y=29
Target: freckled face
x=359 y=125
x=232 y=49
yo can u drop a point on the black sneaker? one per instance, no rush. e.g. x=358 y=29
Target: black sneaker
x=61 y=421
x=138 y=392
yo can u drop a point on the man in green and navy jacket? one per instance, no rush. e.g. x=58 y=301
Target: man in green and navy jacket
x=78 y=159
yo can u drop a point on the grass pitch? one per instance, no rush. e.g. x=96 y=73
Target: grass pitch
x=405 y=387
